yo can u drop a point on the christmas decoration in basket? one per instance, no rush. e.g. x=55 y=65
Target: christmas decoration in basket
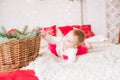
x=18 y=48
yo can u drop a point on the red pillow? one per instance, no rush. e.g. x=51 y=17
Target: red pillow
x=87 y=30
x=65 y=29
x=50 y=30
x=76 y=26
x=82 y=49
x=18 y=75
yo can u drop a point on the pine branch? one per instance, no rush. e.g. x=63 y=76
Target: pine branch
x=25 y=29
x=18 y=31
x=3 y=33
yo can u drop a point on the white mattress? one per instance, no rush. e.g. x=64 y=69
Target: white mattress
x=101 y=63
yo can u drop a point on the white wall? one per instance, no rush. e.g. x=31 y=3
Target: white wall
x=95 y=14
x=17 y=13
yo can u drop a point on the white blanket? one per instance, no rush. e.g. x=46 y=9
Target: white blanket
x=101 y=63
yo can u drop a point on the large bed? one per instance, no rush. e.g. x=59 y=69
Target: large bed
x=101 y=63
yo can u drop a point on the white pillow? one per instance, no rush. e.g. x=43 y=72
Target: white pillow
x=96 y=38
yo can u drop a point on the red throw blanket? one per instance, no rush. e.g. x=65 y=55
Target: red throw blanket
x=18 y=75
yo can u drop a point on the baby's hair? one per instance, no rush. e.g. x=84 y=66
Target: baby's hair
x=80 y=34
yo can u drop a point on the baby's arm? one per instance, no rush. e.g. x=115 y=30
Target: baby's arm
x=88 y=45
x=50 y=38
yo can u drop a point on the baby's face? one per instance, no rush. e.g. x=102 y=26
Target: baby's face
x=70 y=40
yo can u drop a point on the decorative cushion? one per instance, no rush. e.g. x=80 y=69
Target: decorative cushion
x=18 y=75
x=58 y=32
x=50 y=30
x=82 y=49
x=76 y=26
x=97 y=38
x=65 y=29
x=85 y=28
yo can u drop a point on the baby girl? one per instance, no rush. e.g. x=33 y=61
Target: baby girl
x=69 y=46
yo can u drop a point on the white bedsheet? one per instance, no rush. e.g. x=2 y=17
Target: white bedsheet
x=101 y=63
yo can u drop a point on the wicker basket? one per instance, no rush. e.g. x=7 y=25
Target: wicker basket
x=15 y=54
